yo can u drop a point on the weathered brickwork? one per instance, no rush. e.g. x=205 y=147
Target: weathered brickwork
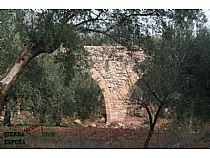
x=113 y=71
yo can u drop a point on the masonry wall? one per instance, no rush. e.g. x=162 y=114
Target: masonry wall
x=113 y=71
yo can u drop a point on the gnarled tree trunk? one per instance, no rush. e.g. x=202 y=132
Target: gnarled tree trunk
x=29 y=52
x=152 y=125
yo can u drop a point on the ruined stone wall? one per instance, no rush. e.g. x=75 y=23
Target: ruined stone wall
x=113 y=71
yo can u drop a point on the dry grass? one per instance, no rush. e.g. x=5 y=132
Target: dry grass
x=168 y=134
x=103 y=138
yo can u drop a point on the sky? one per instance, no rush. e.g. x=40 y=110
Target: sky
x=108 y=4
x=207 y=12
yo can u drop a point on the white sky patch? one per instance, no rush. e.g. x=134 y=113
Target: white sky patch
x=207 y=12
x=102 y=4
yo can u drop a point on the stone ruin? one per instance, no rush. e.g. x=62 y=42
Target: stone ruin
x=113 y=70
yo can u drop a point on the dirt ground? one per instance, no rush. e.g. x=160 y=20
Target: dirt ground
x=89 y=137
x=168 y=134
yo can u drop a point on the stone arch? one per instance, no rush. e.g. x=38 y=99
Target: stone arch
x=124 y=93
x=115 y=102
x=126 y=89
x=104 y=89
x=115 y=78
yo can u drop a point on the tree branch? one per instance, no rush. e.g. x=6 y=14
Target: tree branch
x=140 y=14
x=90 y=20
x=150 y=116
x=153 y=93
